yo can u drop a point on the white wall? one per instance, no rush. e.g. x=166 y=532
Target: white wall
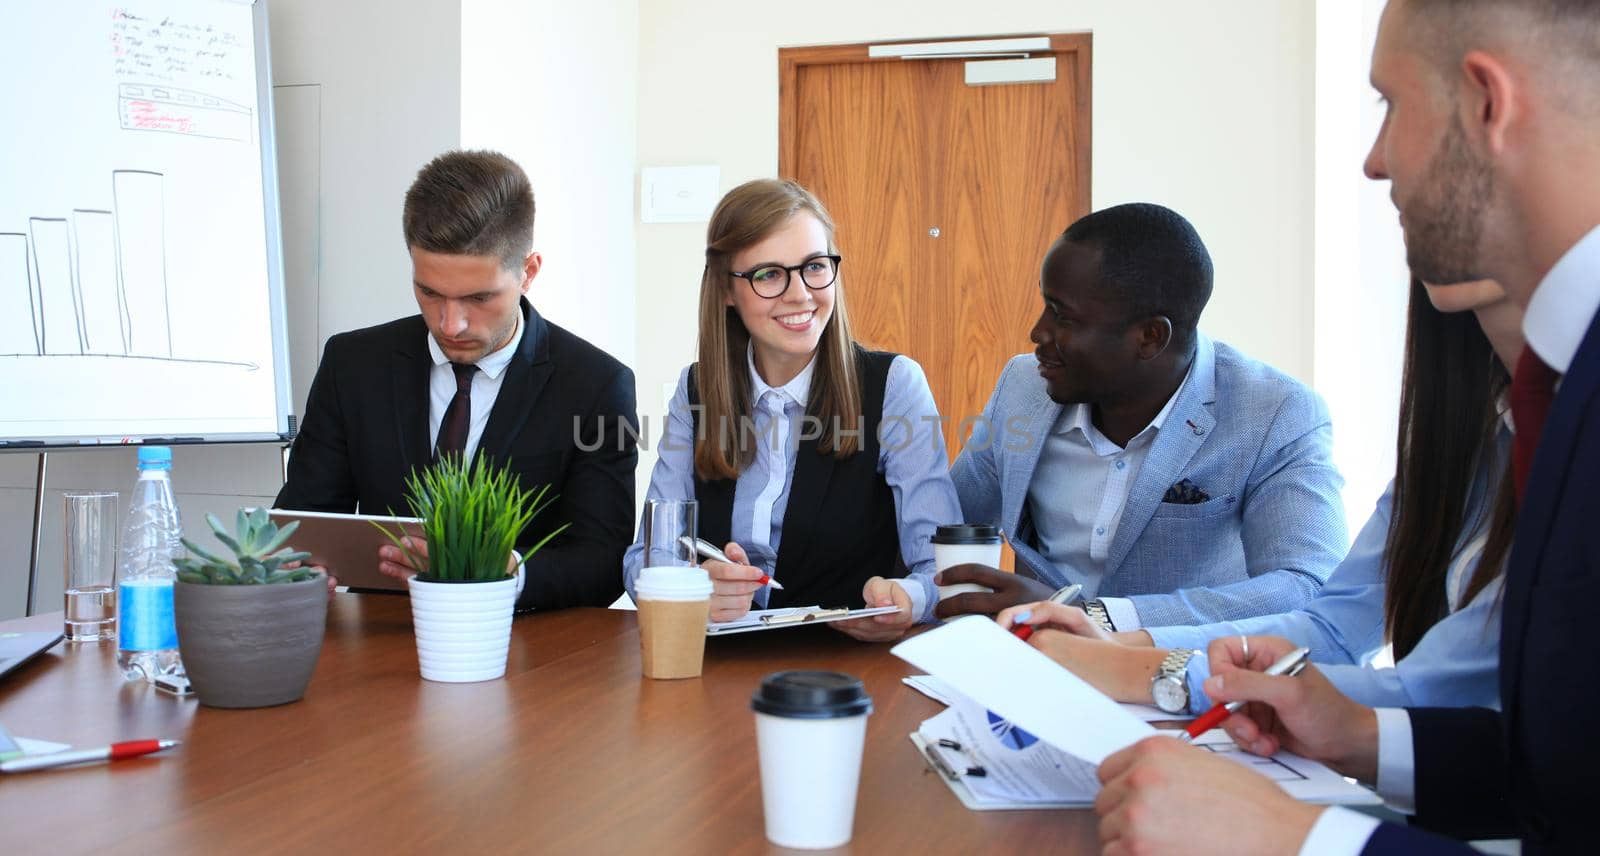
x=1361 y=278
x=1204 y=107
x=553 y=86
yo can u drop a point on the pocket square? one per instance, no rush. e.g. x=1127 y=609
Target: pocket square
x=1185 y=493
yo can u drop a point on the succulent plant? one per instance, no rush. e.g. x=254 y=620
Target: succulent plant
x=254 y=563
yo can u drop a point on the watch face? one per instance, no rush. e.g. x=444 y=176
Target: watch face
x=1169 y=694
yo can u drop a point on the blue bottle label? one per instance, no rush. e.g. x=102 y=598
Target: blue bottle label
x=146 y=622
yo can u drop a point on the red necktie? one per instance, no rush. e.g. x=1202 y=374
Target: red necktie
x=1533 y=387
x=457 y=419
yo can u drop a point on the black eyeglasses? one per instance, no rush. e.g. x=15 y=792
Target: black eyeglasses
x=771 y=281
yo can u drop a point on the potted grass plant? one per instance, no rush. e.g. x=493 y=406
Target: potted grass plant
x=466 y=587
x=249 y=628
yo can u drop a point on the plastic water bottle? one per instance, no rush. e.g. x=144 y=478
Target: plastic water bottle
x=147 y=635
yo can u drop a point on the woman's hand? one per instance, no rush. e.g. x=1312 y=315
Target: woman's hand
x=880 y=628
x=1044 y=614
x=732 y=584
x=1122 y=672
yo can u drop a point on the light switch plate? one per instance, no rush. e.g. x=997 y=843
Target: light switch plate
x=678 y=194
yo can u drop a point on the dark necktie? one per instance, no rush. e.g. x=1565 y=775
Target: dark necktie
x=1533 y=387
x=458 y=415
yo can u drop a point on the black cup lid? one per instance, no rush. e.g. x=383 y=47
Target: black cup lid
x=966 y=533
x=811 y=695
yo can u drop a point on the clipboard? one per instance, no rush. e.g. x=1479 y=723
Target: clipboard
x=795 y=616
x=954 y=780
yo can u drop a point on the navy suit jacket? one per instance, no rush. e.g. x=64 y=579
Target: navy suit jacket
x=1530 y=771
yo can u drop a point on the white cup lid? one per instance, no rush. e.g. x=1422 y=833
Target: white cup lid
x=673 y=583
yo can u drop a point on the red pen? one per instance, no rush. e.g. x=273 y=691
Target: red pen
x=1290 y=664
x=114 y=752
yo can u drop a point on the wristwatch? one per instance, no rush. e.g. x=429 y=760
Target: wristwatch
x=1097 y=614
x=1169 y=689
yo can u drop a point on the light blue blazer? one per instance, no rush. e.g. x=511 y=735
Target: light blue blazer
x=1254 y=439
x=1455 y=664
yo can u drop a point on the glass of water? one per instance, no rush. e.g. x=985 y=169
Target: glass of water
x=91 y=556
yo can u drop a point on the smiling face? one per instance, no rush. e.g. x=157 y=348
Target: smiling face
x=784 y=330
x=1438 y=182
x=470 y=303
x=1087 y=346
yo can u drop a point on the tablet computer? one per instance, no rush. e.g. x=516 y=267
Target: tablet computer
x=347 y=544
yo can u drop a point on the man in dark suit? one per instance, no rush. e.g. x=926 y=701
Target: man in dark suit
x=477 y=371
x=1491 y=146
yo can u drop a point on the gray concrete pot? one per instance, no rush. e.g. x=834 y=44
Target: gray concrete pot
x=250 y=646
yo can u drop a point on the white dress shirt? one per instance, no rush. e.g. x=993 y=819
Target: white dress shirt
x=486 y=383
x=1076 y=515
x=1558 y=317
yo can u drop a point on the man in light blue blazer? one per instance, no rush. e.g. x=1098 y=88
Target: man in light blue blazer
x=1174 y=478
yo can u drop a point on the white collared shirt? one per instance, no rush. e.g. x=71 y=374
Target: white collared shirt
x=1564 y=304
x=1079 y=490
x=486 y=383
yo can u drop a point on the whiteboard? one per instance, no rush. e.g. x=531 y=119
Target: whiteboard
x=141 y=285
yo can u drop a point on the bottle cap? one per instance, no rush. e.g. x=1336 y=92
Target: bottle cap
x=966 y=533
x=811 y=695
x=155 y=458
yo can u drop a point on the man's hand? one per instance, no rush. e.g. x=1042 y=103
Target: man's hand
x=1009 y=590
x=880 y=628
x=732 y=585
x=1303 y=713
x=1161 y=796
x=393 y=561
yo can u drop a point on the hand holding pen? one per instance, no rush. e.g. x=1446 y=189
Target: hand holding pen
x=734 y=581
x=1305 y=714
x=1023 y=620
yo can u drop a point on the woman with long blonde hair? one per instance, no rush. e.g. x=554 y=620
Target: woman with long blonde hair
x=817 y=462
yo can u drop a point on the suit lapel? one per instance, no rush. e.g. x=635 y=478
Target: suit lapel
x=526 y=376
x=1188 y=424
x=409 y=378
x=1020 y=466
x=1546 y=484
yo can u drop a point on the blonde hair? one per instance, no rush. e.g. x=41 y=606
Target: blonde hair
x=747 y=215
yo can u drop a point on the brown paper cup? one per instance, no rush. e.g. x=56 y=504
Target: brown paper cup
x=672 y=636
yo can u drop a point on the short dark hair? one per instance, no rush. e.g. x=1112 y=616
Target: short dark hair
x=1152 y=261
x=471 y=203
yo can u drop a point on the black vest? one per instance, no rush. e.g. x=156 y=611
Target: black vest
x=839 y=528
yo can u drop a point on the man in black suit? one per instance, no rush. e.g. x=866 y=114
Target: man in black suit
x=1492 y=145
x=477 y=371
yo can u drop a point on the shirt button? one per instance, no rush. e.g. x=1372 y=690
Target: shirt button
x=1099 y=530
x=1121 y=463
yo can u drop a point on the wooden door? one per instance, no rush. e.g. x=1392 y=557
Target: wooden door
x=946 y=197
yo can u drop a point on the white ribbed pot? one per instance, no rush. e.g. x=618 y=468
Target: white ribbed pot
x=463 y=628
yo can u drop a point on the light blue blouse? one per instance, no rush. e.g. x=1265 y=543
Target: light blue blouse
x=1455 y=664
x=911 y=458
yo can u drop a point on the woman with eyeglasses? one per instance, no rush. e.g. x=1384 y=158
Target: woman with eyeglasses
x=817 y=462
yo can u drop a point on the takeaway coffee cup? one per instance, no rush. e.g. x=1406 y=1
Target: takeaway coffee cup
x=674 y=603
x=810 y=728
x=963 y=543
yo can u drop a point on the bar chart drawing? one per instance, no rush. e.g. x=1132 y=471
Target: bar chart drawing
x=94 y=283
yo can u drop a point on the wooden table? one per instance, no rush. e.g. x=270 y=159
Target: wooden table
x=572 y=752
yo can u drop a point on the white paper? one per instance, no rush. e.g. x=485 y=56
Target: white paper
x=753 y=620
x=1019 y=769
x=978 y=659
x=624 y=603
x=941 y=692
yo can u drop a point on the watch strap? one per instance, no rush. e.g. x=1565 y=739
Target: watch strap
x=1097 y=613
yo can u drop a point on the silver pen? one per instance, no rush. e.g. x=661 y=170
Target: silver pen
x=707 y=550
